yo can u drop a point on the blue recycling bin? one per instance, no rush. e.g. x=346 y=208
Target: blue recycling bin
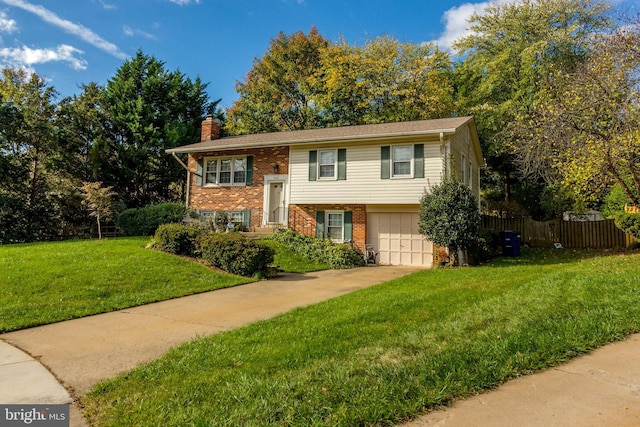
x=510 y=240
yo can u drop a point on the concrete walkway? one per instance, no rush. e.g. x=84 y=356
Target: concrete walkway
x=84 y=351
x=599 y=389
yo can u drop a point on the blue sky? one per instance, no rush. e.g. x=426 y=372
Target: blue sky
x=71 y=42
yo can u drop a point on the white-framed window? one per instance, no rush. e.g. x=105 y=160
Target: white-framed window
x=327 y=164
x=225 y=171
x=334 y=223
x=470 y=174
x=401 y=161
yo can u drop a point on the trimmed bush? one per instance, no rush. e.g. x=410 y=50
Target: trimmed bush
x=145 y=221
x=234 y=253
x=337 y=255
x=629 y=223
x=176 y=239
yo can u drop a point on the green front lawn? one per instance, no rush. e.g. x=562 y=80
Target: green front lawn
x=291 y=262
x=384 y=354
x=48 y=282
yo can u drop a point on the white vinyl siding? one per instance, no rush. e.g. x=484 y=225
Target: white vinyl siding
x=363 y=183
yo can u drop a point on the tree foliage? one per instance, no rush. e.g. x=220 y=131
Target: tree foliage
x=585 y=130
x=281 y=89
x=29 y=209
x=510 y=49
x=99 y=201
x=150 y=109
x=385 y=81
x=449 y=216
x=304 y=81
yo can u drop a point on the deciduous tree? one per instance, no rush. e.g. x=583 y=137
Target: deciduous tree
x=510 y=49
x=585 y=130
x=281 y=90
x=99 y=202
x=385 y=81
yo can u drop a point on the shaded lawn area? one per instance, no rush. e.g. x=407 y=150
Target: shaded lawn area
x=291 y=262
x=48 y=282
x=384 y=354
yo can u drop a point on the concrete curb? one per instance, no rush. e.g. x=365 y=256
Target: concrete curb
x=25 y=381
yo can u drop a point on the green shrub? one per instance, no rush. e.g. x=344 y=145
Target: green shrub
x=449 y=216
x=337 y=255
x=145 y=221
x=234 y=253
x=629 y=223
x=176 y=239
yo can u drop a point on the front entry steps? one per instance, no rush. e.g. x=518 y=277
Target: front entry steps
x=265 y=230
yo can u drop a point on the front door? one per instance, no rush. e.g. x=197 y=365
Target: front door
x=276 y=202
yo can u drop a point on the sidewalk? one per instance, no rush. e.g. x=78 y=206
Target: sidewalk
x=84 y=351
x=600 y=389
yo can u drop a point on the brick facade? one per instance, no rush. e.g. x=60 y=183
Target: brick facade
x=302 y=218
x=238 y=197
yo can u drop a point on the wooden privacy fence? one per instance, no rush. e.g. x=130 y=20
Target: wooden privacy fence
x=571 y=234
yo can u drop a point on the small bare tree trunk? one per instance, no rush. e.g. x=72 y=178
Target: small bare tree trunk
x=99 y=230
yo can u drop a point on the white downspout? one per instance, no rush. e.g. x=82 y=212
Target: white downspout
x=188 y=191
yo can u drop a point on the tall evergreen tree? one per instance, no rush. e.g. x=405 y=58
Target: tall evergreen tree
x=29 y=209
x=150 y=109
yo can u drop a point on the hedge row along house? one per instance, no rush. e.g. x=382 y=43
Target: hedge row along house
x=356 y=184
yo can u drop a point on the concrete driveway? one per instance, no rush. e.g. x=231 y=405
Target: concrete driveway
x=84 y=351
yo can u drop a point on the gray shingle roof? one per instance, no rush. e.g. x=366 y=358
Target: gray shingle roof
x=334 y=134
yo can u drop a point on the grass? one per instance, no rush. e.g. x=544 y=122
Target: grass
x=384 y=354
x=291 y=262
x=48 y=282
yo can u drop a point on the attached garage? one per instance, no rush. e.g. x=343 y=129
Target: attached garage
x=396 y=238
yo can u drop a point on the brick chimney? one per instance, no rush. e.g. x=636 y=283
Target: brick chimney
x=210 y=129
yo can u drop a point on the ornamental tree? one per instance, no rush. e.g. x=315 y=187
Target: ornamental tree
x=449 y=216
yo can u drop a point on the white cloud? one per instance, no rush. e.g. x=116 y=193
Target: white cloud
x=7 y=25
x=107 y=6
x=456 y=21
x=71 y=27
x=25 y=57
x=184 y=2
x=130 y=32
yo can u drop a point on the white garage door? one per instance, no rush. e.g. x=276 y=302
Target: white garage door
x=397 y=239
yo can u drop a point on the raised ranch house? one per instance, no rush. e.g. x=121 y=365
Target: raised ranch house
x=357 y=184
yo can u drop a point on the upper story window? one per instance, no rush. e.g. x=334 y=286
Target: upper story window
x=327 y=164
x=401 y=158
x=226 y=171
x=402 y=161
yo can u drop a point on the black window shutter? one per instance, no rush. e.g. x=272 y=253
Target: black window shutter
x=249 y=170
x=199 y=168
x=385 y=164
x=418 y=161
x=348 y=225
x=342 y=164
x=320 y=224
x=313 y=165
x=246 y=219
